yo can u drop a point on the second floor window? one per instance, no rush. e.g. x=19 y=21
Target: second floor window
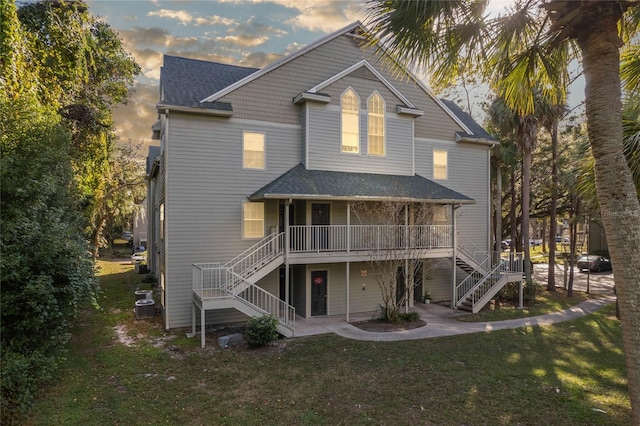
x=350 y=104
x=439 y=164
x=375 y=118
x=253 y=150
x=252 y=220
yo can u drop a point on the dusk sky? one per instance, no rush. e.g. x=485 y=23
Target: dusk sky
x=252 y=33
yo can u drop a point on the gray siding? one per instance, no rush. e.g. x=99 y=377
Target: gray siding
x=324 y=144
x=468 y=173
x=205 y=190
x=269 y=97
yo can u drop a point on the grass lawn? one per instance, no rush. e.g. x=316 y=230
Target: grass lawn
x=123 y=371
x=545 y=302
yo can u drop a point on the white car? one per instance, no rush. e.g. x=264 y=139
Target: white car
x=138 y=257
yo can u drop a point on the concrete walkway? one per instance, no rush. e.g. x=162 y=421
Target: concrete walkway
x=440 y=321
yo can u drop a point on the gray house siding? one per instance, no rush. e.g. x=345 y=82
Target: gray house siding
x=468 y=173
x=324 y=144
x=270 y=96
x=206 y=189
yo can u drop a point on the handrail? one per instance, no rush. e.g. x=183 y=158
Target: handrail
x=470 y=249
x=474 y=285
x=266 y=302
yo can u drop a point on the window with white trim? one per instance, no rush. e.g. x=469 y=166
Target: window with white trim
x=375 y=123
x=253 y=150
x=350 y=107
x=439 y=164
x=162 y=221
x=252 y=220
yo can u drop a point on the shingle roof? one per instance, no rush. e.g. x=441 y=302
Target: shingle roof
x=478 y=131
x=154 y=152
x=300 y=183
x=185 y=82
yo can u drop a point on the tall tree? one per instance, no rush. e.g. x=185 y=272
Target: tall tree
x=437 y=34
x=85 y=72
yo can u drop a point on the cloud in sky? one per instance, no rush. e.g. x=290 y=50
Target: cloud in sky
x=180 y=15
x=252 y=33
x=317 y=15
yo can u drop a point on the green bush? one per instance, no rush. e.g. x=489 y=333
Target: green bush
x=510 y=293
x=261 y=331
x=408 y=316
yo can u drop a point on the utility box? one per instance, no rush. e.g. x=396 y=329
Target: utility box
x=145 y=309
x=141 y=268
x=144 y=294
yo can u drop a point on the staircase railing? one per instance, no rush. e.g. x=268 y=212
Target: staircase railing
x=476 y=286
x=471 y=250
x=213 y=280
x=266 y=303
x=254 y=258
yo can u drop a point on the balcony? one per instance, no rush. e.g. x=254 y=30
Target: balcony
x=340 y=243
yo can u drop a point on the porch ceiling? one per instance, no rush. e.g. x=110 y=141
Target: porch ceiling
x=300 y=183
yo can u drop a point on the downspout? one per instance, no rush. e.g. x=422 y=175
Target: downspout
x=166 y=224
x=406 y=260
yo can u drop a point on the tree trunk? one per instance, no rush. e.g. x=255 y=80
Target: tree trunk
x=97 y=237
x=527 y=132
x=553 y=210
x=526 y=183
x=617 y=195
x=512 y=212
x=498 y=210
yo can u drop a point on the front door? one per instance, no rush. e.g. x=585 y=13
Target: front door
x=318 y=293
x=320 y=216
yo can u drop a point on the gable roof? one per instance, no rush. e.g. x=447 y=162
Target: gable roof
x=189 y=83
x=477 y=132
x=218 y=94
x=375 y=72
x=300 y=183
x=185 y=82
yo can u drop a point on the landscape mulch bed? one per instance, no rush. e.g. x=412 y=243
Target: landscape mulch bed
x=382 y=326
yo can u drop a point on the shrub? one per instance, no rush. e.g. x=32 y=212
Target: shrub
x=510 y=293
x=261 y=331
x=408 y=316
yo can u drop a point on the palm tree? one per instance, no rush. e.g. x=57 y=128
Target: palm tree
x=531 y=44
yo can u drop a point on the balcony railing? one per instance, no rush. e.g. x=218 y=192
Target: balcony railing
x=326 y=238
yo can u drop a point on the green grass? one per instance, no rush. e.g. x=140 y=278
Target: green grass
x=571 y=374
x=545 y=302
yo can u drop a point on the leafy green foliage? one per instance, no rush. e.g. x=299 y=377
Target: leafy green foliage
x=262 y=330
x=408 y=316
x=83 y=72
x=511 y=292
x=46 y=266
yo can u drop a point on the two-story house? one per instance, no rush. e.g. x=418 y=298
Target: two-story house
x=271 y=189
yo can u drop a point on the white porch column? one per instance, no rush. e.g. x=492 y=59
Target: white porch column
x=348 y=273
x=455 y=254
x=287 y=241
x=202 y=328
x=348 y=250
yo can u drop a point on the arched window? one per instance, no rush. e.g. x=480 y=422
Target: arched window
x=375 y=118
x=350 y=103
